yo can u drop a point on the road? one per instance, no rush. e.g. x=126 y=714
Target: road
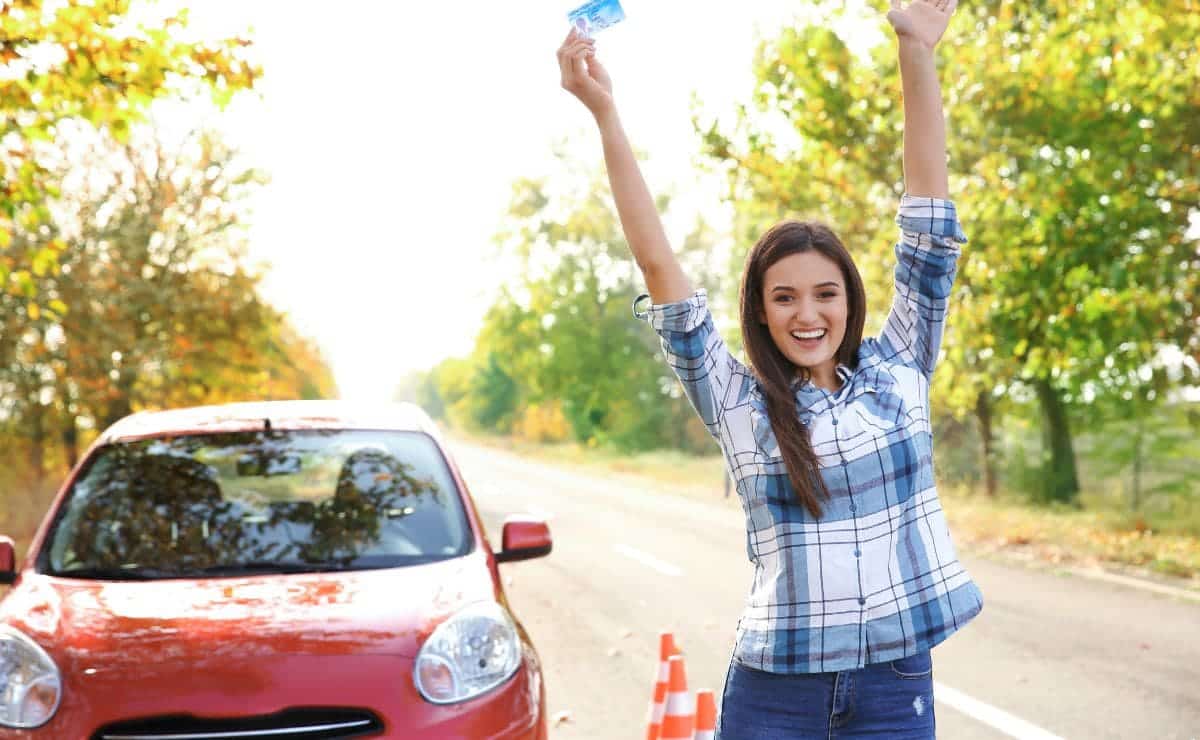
x=1050 y=656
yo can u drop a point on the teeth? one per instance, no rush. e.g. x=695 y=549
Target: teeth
x=814 y=334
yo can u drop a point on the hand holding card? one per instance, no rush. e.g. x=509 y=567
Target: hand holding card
x=583 y=75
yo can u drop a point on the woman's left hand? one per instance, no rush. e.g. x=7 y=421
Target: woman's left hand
x=923 y=21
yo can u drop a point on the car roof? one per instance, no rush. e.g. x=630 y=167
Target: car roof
x=243 y=417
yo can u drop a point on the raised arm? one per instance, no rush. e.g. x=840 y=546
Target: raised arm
x=585 y=77
x=928 y=248
x=919 y=27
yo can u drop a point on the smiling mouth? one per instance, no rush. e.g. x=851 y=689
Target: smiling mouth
x=809 y=336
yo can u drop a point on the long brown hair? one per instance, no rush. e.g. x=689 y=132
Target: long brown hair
x=774 y=371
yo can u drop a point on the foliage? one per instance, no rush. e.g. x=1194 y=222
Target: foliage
x=542 y=422
x=152 y=304
x=92 y=63
x=560 y=346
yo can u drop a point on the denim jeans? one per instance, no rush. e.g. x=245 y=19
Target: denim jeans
x=883 y=700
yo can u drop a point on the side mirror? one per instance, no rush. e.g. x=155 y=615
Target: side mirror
x=8 y=560
x=524 y=538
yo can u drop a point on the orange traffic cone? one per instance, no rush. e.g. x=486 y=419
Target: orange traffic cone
x=666 y=648
x=678 y=720
x=706 y=715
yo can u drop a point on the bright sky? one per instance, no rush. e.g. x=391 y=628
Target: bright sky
x=393 y=132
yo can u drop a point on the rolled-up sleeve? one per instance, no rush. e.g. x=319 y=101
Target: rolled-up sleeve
x=697 y=354
x=926 y=263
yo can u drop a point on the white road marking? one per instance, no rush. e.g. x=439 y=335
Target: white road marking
x=993 y=717
x=661 y=566
x=1102 y=575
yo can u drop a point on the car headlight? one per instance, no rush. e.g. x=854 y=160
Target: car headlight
x=30 y=685
x=473 y=651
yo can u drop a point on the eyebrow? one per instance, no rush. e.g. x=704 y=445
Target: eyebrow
x=827 y=284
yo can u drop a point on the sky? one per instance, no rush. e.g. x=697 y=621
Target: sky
x=393 y=133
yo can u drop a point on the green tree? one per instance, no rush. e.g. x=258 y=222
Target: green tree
x=570 y=337
x=560 y=341
x=86 y=62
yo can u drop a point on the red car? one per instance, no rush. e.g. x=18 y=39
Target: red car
x=292 y=570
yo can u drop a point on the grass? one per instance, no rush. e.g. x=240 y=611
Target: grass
x=1099 y=535
x=1088 y=537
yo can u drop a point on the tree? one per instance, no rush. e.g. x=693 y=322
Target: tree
x=152 y=304
x=85 y=62
x=566 y=330
x=559 y=348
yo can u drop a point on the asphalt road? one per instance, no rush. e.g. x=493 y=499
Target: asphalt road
x=1050 y=656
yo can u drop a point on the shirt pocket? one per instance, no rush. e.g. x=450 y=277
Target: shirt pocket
x=875 y=410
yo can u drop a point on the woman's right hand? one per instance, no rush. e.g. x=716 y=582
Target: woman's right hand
x=583 y=75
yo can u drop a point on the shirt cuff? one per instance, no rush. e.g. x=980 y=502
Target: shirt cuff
x=934 y=216
x=681 y=316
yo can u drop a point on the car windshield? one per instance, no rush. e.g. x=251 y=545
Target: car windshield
x=271 y=501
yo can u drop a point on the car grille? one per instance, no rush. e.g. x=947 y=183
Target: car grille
x=293 y=724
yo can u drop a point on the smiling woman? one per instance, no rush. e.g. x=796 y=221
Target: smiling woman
x=826 y=434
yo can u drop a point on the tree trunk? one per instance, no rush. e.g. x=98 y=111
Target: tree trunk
x=37 y=440
x=122 y=405
x=1060 y=482
x=983 y=413
x=70 y=441
x=1138 y=434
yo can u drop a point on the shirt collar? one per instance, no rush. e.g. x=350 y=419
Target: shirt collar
x=807 y=386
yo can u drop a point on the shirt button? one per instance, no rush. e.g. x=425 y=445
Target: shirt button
x=852 y=507
x=835 y=422
x=862 y=602
x=858 y=553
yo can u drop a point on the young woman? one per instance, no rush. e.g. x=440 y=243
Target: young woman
x=826 y=434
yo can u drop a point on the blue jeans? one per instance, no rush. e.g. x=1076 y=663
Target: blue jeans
x=891 y=700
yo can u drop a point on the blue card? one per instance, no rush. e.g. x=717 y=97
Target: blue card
x=596 y=15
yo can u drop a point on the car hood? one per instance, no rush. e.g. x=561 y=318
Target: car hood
x=376 y=612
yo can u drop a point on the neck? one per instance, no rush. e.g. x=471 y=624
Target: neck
x=825 y=377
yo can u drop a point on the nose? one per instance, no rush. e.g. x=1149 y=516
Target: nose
x=806 y=311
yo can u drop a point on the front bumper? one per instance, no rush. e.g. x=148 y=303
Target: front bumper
x=381 y=685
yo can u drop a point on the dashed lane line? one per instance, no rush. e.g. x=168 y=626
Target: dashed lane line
x=993 y=717
x=648 y=560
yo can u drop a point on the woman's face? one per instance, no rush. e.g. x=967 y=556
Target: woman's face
x=805 y=308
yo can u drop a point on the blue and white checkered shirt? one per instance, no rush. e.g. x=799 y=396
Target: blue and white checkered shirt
x=876 y=578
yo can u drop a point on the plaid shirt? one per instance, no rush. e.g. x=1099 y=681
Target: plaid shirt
x=875 y=578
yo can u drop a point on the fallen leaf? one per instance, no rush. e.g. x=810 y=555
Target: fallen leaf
x=561 y=718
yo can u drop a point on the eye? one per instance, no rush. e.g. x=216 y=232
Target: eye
x=782 y=298
x=829 y=294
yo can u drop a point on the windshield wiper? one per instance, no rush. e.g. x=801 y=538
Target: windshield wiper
x=269 y=566
x=115 y=574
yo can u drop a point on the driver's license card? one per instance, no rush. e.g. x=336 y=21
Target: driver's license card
x=596 y=15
